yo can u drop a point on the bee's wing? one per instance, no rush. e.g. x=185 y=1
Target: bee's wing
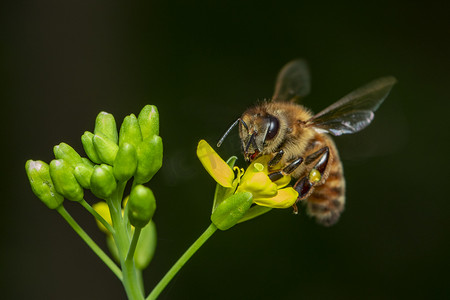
x=293 y=81
x=355 y=111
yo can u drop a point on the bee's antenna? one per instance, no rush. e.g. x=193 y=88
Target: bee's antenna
x=219 y=143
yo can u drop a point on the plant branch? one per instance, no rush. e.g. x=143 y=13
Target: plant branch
x=181 y=261
x=97 y=250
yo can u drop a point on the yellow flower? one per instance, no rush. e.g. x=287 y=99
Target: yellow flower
x=254 y=180
x=103 y=210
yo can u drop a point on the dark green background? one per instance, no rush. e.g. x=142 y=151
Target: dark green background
x=202 y=64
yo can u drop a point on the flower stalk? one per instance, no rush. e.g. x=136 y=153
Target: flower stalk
x=97 y=250
x=130 y=277
x=181 y=261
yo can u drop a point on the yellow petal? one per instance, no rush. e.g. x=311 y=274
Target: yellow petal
x=261 y=165
x=259 y=184
x=103 y=210
x=257 y=166
x=214 y=165
x=285 y=198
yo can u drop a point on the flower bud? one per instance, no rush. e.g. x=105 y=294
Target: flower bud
x=231 y=210
x=103 y=210
x=255 y=211
x=125 y=163
x=64 y=180
x=149 y=157
x=141 y=206
x=83 y=173
x=41 y=183
x=106 y=148
x=103 y=183
x=146 y=246
x=149 y=121
x=87 y=162
x=130 y=132
x=88 y=145
x=105 y=124
x=67 y=153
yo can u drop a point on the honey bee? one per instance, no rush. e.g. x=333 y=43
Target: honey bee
x=300 y=142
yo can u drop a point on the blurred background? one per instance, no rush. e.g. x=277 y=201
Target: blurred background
x=202 y=64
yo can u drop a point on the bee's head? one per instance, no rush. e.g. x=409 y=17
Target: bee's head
x=259 y=131
x=256 y=130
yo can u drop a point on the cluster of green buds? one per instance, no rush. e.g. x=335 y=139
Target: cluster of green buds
x=113 y=159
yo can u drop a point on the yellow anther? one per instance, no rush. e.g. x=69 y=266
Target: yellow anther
x=259 y=166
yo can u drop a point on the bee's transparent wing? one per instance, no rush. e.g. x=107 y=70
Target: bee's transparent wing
x=293 y=81
x=355 y=111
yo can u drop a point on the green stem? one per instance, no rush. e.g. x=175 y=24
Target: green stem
x=126 y=208
x=181 y=261
x=96 y=215
x=137 y=232
x=125 y=218
x=105 y=258
x=130 y=279
x=141 y=280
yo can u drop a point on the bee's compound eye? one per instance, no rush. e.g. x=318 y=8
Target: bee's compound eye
x=274 y=126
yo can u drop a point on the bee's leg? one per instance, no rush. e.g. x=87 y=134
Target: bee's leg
x=286 y=170
x=313 y=157
x=321 y=165
x=304 y=186
x=293 y=165
x=276 y=175
x=276 y=159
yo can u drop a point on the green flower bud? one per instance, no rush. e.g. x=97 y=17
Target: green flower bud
x=67 y=153
x=41 y=183
x=106 y=148
x=64 y=180
x=231 y=210
x=146 y=246
x=125 y=163
x=105 y=124
x=149 y=121
x=88 y=145
x=255 y=211
x=103 y=183
x=87 y=162
x=130 y=132
x=83 y=173
x=149 y=156
x=141 y=206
